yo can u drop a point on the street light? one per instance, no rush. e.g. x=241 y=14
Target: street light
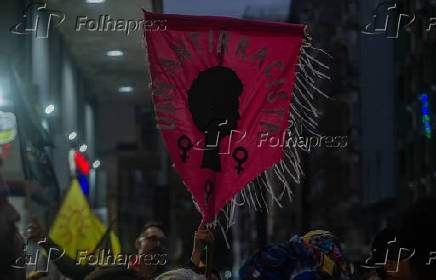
x=125 y=89
x=83 y=148
x=49 y=109
x=96 y=164
x=72 y=135
x=114 y=53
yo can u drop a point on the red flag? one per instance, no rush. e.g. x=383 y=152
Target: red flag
x=222 y=89
x=81 y=163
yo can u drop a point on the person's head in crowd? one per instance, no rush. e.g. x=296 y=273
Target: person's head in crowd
x=11 y=242
x=385 y=250
x=152 y=251
x=152 y=239
x=37 y=275
x=418 y=233
x=113 y=273
x=181 y=274
x=214 y=273
x=314 y=256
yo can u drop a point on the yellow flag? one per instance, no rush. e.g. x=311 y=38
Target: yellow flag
x=76 y=229
x=115 y=242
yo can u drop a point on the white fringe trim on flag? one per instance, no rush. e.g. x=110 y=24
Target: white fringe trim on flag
x=302 y=120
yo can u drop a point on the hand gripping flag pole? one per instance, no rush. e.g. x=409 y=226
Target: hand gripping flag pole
x=229 y=95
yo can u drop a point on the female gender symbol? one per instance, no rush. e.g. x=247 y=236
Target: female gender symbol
x=240 y=160
x=184 y=147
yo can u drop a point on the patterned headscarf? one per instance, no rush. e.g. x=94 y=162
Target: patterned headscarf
x=314 y=256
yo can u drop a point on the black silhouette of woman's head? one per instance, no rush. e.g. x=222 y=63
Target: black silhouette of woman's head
x=214 y=103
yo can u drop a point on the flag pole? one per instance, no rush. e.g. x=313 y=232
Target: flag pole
x=209 y=260
x=210 y=247
x=105 y=235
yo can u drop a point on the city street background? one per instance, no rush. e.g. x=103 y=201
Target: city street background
x=69 y=88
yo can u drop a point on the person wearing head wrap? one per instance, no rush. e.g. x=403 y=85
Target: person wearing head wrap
x=314 y=256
